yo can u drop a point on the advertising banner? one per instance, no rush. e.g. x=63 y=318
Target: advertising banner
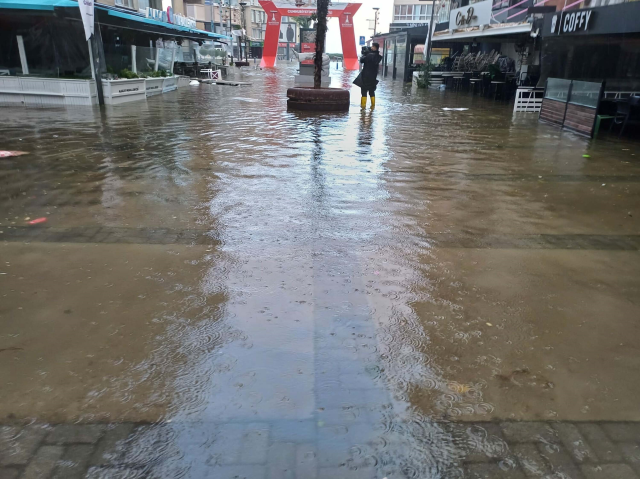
x=86 y=12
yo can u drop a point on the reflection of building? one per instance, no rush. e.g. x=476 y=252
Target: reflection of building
x=410 y=13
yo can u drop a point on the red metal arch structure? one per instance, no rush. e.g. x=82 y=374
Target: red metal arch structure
x=275 y=12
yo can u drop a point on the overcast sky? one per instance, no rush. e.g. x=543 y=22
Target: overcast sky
x=365 y=13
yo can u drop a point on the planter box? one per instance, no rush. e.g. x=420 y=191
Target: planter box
x=169 y=84
x=34 y=91
x=153 y=86
x=123 y=91
x=183 y=81
x=11 y=91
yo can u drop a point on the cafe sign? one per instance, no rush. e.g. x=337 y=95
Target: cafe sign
x=471 y=15
x=572 y=22
x=169 y=17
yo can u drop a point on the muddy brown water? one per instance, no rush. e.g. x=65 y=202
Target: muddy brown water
x=346 y=283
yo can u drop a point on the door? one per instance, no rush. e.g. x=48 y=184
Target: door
x=390 y=57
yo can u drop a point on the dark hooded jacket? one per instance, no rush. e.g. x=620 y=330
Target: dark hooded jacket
x=369 y=72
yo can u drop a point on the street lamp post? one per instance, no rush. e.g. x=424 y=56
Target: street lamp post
x=243 y=28
x=375 y=20
x=427 y=57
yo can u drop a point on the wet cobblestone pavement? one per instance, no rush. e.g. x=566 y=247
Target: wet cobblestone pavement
x=224 y=289
x=291 y=450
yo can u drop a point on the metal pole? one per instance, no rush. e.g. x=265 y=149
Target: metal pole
x=375 y=22
x=23 y=56
x=220 y=13
x=212 y=27
x=95 y=68
x=427 y=57
x=229 y=28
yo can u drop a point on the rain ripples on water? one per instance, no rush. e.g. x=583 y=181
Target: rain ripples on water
x=251 y=291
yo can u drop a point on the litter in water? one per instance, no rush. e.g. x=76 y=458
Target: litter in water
x=194 y=82
x=37 y=221
x=248 y=100
x=7 y=154
x=455 y=109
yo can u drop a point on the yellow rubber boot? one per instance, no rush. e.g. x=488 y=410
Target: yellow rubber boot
x=373 y=102
x=363 y=102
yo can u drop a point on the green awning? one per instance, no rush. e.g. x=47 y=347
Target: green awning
x=157 y=23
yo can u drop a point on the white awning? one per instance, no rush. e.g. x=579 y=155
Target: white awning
x=483 y=31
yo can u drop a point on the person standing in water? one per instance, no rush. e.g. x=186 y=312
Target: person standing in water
x=370 y=60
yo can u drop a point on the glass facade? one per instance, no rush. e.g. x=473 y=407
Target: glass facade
x=612 y=58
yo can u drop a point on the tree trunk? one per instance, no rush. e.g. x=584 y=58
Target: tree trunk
x=321 y=33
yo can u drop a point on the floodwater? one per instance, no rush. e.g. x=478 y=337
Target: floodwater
x=264 y=293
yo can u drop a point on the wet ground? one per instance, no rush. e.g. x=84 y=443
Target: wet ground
x=224 y=289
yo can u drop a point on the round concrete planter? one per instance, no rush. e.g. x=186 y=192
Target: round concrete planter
x=318 y=99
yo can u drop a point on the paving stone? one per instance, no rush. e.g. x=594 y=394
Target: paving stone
x=360 y=381
x=228 y=443
x=116 y=473
x=575 y=443
x=111 y=448
x=43 y=462
x=608 y=471
x=631 y=452
x=560 y=461
x=254 y=444
x=600 y=443
x=622 y=431
x=149 y=445
x=293 y=431
x=74 y=462
x=333 y=452
x=530 y=460
x=282 y=461
x=528 y=432
x=306 y=461
x=346 y=473
x=9 y=473
x=21 y=445
x=239 y=471
x=491 y=471
x=482 y=442
x=75 y=434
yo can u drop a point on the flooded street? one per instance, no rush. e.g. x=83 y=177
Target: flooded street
x=224 y=289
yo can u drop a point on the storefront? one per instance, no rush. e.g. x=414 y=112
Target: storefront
x=399 y=59
x=597 y=44
x=45 y=60
x=474 y=30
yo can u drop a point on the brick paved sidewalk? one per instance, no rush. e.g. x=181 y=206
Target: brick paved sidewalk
x=294 y=449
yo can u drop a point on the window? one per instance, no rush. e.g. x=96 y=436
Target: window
x=412 y=13
x=125 y=3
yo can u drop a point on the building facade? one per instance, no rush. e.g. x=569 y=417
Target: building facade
x=410 y=14
x=247 y=15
